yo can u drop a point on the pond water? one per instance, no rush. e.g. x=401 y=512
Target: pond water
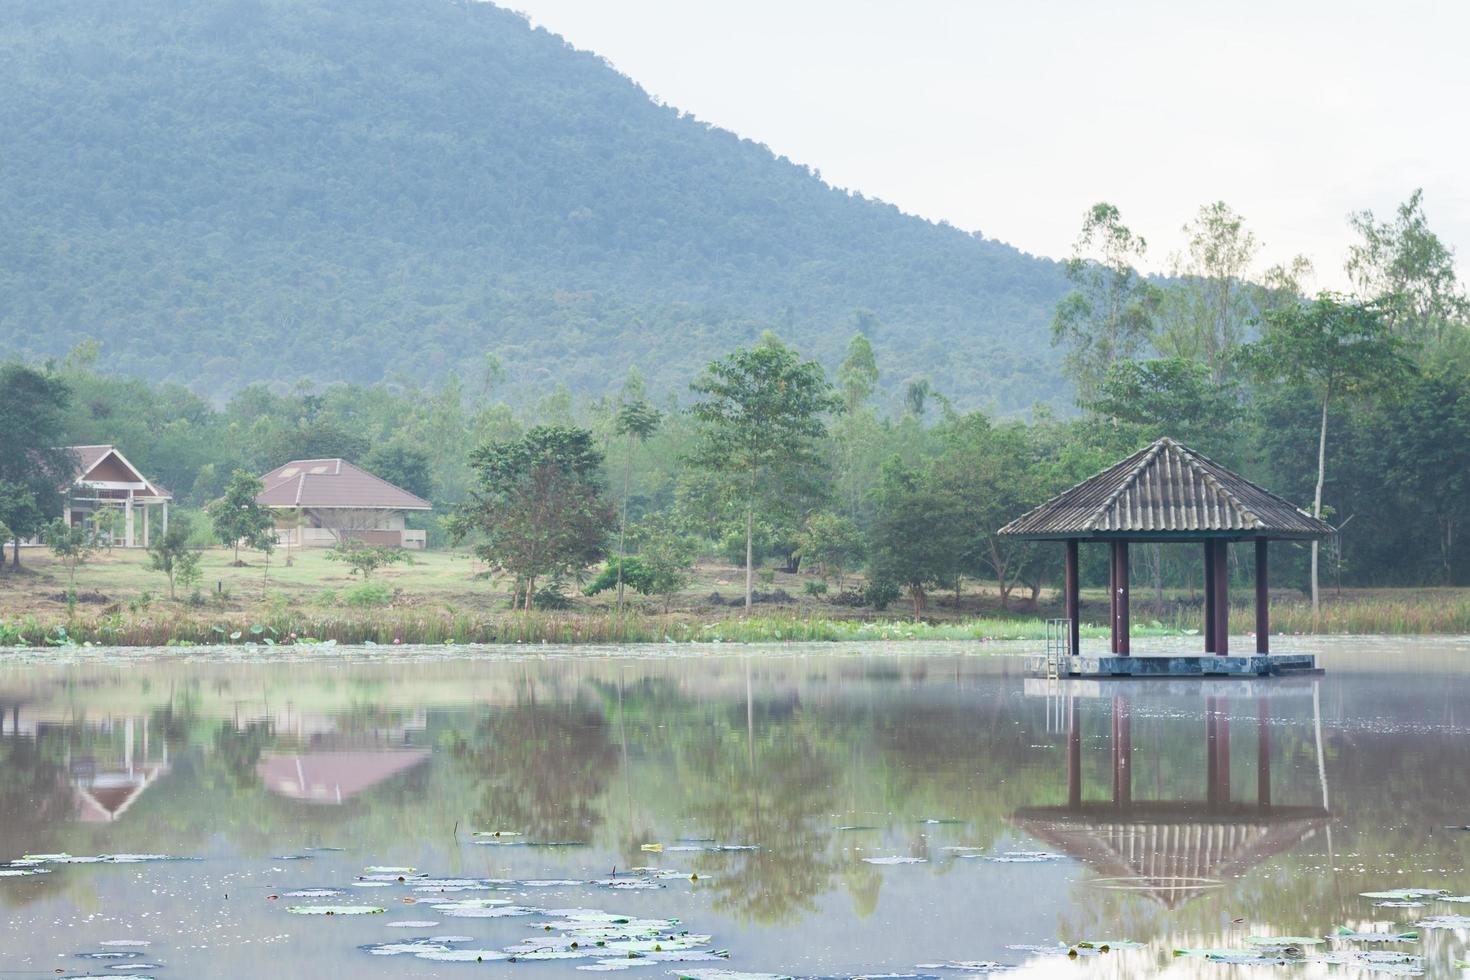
x=820 y=811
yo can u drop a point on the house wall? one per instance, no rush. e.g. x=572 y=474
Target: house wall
x=388 y=528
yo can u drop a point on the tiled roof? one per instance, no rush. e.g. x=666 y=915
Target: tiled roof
x=333 y=483
x=88 y=457
x=1167 y=491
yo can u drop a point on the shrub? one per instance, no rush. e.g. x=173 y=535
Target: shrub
x=879 y=594
x=368 y=595
x=815 y=588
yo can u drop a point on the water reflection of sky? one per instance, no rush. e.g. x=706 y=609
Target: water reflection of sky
x=1148 y=798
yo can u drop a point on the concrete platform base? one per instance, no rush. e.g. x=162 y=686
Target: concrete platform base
x=1162 y=666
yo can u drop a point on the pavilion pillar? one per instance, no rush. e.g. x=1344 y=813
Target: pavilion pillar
x=146 y=509
x=1263 y=599
x=1222 y=749
x=1122 y=753
x=1074 y=755
x=1209 y=590
x=128 y=521
x=1119 y=588
x=165 y=517
x=1222 y=598
x=1212 y=757
x=1263 y=754
x=1072 y=600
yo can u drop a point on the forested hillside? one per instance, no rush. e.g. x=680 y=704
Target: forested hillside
x=224 y=191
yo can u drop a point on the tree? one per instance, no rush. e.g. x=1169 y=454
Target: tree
x=537 y=506
x=663 y=565
x=408 y=467
x=636 y=420
x=1170 y=397
x=1330 y=348
x=173 y=555
x=32 y=430
x=365 y=559
x=73 y=544
x=989 y=477
x=1108 y=315
x=1204 y=314
x=831 y=542
x=236 y=517
x=913 y=544
x=758 y=423
x=1429 y=465
x=857 y=377
x=107 y=523
x=20 y=516
x=1405 y=267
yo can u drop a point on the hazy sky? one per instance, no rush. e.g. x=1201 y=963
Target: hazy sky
x=1012 y=118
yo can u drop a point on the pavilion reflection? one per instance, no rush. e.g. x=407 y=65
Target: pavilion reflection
x=1180 y=845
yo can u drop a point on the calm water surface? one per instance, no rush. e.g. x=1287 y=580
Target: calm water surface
x=1005 y=816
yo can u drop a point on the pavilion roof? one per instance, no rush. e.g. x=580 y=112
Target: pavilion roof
x=1171 y=852
x=1164 y=491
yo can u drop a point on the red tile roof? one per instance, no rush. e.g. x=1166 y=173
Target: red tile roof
x=88 y=457
x=333 y=483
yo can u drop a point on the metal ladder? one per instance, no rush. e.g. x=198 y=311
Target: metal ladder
x=1058 y=647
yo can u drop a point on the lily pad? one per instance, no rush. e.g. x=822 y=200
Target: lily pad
x=896 y=859
x=1346 y=934
x=334 y=909
x=1444 y=922
x=1406 y=894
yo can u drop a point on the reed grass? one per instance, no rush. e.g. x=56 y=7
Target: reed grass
x=1410 y=613
x=393 y=627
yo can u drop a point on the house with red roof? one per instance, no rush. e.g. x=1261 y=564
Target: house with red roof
x=106 y=480
x=320 y=503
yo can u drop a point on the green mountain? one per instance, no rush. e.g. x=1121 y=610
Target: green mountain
x=224 y=191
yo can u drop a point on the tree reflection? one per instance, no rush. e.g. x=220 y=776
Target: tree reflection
x=539 y=769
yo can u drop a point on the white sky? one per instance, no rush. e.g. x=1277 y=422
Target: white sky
x=1013 y=118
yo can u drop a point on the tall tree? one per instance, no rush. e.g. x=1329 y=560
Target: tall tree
x=1108 y=315
x=32 y=462
x=857 y=377
x=537 y=506
x=759 y=419
x=636 y=421
x=1405 y=267
x=1333 y=348
x=1205 y=312
x=236 y=518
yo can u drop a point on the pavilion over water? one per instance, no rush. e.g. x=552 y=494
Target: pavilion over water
x=1168 y=493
